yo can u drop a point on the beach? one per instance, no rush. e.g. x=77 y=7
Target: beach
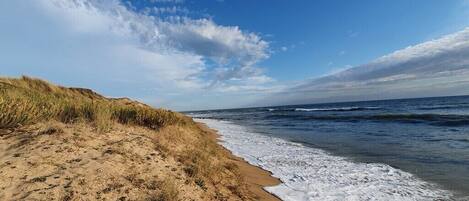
x=89 y=147
x=61 y=161
x=225 y=100
x=314 y=174
x=256 y=177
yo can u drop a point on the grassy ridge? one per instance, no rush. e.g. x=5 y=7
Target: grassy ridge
x=26 y=101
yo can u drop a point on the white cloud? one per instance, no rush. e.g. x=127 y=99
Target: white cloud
x=221 y=43
x=433 y=68
x=121 y=52
x=169 y=10
x=337 y=70
x=352 y=34
x=228 y=46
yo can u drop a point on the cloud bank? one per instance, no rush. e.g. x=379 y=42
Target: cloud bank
x=434 y=68
x=110 y=46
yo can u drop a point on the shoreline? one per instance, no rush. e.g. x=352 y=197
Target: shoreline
x=309 y=172
x=256 y=177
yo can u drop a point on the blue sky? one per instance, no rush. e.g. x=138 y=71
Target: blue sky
x=325 y=35
x=186 y=54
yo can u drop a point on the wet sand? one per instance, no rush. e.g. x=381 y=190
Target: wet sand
x=256 y=177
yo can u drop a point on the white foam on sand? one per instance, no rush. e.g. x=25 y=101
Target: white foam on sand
x=313 y=174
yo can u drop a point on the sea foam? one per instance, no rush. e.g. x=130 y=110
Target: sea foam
x=336 y=109
x=313 y=174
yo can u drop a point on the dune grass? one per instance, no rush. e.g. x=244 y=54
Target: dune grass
x=27 y=100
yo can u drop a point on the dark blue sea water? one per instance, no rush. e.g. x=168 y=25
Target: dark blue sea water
x=428 y=137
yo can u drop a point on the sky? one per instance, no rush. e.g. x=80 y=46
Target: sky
x=207 y=54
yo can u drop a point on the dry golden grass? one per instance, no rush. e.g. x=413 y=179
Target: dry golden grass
x=169 y=191
x=205 y=165
x=26 y=101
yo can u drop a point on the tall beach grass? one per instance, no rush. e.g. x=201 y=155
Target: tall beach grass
x=27 y=100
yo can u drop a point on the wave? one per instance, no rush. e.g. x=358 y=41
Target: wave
x=432 y=119
x=198 y=115
x=336 y=109
x=313 y=174
x=322 y=109
x=441 y=107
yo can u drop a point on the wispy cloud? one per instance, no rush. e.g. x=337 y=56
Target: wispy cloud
x=437 y=67
x=168 y=10
x=110 y=43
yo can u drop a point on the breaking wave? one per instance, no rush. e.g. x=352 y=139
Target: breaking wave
x=323 y=109
x=431 y=119
x=313 y=174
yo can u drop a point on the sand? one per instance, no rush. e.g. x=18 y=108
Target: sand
x=73 y=162
x=56 y=161
x=256 y=177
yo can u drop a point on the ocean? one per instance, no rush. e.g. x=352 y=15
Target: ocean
x=408 y=149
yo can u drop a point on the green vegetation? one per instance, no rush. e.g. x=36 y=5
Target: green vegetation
x=26 y=101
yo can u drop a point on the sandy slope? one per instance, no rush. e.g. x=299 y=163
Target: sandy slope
x=55 y=161
x=65 y=162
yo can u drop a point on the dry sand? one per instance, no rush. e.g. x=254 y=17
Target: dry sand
x=55 y=161
x=73 y=162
